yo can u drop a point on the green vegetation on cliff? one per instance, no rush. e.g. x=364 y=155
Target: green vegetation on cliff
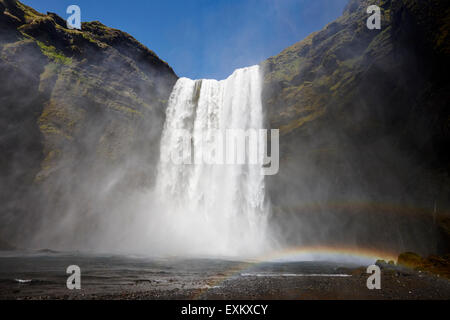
x=74 y=103
x=363 y=115
x=53 y=54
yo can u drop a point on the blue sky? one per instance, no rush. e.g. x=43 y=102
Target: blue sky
x=207 y=38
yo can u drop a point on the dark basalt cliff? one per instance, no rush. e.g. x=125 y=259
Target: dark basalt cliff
x=364 y=124
x=363 y=114
x=73 y=103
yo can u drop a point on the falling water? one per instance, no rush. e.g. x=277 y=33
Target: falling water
x=213 y=209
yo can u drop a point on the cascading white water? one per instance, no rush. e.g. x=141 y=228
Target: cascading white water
x=213 y=209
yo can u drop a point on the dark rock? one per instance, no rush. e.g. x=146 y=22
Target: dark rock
x=74 y=103
x=4 y=246
x=409 y=259
x=58 y=20
x=363 y=114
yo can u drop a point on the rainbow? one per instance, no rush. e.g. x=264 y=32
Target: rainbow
x=328 y=253
x=356 y=255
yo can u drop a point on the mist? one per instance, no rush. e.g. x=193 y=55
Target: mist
x=81 y=171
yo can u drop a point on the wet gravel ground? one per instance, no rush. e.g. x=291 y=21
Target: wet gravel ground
x=112 y=277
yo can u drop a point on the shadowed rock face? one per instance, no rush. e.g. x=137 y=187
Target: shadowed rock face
x=74 y=105
x=364 y=120
x=363 y=117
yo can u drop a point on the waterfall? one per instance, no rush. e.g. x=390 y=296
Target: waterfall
x=217 y=209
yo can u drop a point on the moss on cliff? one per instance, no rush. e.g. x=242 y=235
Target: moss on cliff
x=74 y=103
x=364 y=113
x=52 y=53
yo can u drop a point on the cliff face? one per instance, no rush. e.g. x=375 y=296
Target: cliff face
x=74 y=105
x=364 y=120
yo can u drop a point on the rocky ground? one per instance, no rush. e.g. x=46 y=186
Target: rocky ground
x=396 y=283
